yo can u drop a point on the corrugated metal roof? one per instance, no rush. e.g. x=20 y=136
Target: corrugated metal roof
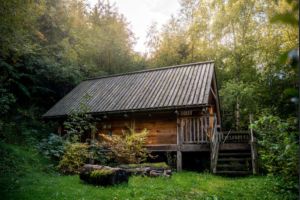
x=161 y=88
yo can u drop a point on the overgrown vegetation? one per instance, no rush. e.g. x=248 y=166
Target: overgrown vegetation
x=278 y=148
x=52 y=147
x=128 y=148
x=47 y=47
x=75 y=156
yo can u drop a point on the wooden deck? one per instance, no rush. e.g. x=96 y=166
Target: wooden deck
x=175 y=147
x=232 y=153
x=196 y=147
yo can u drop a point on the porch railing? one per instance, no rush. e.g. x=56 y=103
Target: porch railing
x=237 y=137
x=195 y=130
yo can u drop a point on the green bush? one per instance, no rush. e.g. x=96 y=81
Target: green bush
x=99 y=154
x=80 y=122
x=278 y=148
x=74 y=158
x=52 y=147
x=128 y=148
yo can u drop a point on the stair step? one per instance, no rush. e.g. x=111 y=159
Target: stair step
x=234 y=159
x=234 y=146
x=234 y=172
x=231 y=166
x=234 y=154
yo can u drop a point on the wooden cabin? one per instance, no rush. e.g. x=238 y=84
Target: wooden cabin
x=178 y=105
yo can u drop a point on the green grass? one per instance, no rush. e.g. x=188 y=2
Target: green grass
x=36 y=183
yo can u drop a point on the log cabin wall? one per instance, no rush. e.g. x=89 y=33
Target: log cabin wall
x=162 y=127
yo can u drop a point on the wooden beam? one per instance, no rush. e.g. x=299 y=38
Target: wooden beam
x=215 y=89
x=211 y=121
x=179 y=142
x=253 y=150
x=195 y=147
x=214 y=95
x=162 y=147
x=235 y=146
x=179 y=161
x=174 y=147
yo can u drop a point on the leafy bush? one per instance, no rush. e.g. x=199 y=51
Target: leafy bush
x=278 y=147
x=75 y=156
x=25 y=128
x=129 y=147
x=52 y=147
x=99 y=154
x=7 y=99
x=80 y=122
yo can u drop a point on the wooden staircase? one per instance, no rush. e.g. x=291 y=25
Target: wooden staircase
x=236 y=154
x=234 y=162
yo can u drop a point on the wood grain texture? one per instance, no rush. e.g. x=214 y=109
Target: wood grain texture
x=161 y=130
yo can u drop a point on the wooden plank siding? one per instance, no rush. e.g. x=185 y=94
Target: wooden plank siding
x=187 y=128
x=161 y=130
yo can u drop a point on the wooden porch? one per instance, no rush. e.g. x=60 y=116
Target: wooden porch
x=200 y=134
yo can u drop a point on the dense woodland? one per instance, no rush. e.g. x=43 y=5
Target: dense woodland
x=49 y=46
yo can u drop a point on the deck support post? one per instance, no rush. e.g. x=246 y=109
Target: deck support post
x=179 y=143
x=179 y=161
x=253 y=149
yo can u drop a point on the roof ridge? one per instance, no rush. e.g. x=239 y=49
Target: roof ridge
x=149 y=70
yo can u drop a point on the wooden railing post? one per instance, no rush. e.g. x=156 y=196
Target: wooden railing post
x=211 y=121
x=253 y=149
x=179 y=143
x=214 y=145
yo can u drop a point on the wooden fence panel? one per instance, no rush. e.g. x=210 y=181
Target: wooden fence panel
x=195 y=129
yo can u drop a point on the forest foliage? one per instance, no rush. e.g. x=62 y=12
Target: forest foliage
x=48 y=46
x=249 y=44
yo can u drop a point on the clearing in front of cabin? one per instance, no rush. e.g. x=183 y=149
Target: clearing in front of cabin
x=28 y=176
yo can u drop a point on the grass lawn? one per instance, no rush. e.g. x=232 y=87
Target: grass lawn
x=35 y=183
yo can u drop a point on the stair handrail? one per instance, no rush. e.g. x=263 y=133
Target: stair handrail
x=226 y=136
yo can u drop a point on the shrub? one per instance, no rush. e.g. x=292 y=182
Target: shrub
x=75 y=156
x=80 y=122
x=52 y=147
x=129 y=147
x=278 y=147
x=99 y=154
